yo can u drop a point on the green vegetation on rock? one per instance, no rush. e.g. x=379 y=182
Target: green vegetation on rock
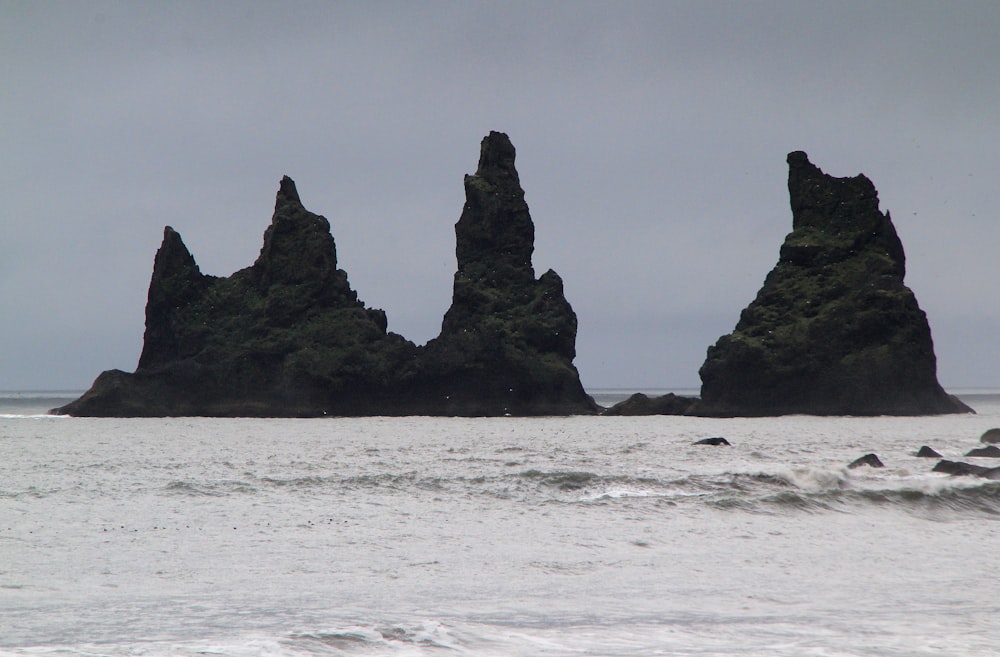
x=288 y=336
x=833 y=330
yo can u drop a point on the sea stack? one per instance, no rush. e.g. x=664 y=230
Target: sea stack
x=508 y=341
x=284 y=337
x=833 y=330
x=288 y=336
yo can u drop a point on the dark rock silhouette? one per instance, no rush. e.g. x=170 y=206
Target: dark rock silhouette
x=991 y=451
x=640 y=404
x=960 y=469
x=289 y=337
x=833 y=330
x=717 y=441
x=927 y=452
x=870 y=460
x=284 y=337
x=508 y=341
x=990 y=436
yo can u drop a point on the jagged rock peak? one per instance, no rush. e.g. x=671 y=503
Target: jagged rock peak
x=817 y=197
x=298 y=246
x=175 y=282
x=495 y=236
x=496 y=158
x=508 y=340
x=287 y=193
x=835 y=218
x=173 y=255
x=288 y=336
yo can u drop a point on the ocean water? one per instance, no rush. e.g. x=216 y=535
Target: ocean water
x=544 y=537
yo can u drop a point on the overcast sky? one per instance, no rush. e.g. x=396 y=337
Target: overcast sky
x=651 y=142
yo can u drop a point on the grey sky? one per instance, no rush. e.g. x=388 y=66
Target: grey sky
x=651 y=143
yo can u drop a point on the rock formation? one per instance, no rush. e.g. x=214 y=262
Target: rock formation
x=289 y=337
x=640 y=404
x=990 y=452
x=833 y=330
x=962 y=469
x=508 y=341
x=284 y=337
x=869 y=460
x=990 y=436
x=717 y=441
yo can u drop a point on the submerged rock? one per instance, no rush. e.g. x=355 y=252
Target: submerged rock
x=870 y=460
x=990 y=436
x=927 y=452
x=991 y=451
x=289 y=337
x=833 y=330
x=640 y=404
x=960 y=469
x=717 y=441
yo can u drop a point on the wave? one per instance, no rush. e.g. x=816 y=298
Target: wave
x=935 y=501
x=567 y=480
x=417 y=639
x=29 y=492
x=614 y=635
x=209 y=489
x=806 y=490
x=427 y=637
x=811 y=490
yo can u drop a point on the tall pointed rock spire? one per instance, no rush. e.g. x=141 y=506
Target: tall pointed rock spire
x=508 y=341
x=175 y=284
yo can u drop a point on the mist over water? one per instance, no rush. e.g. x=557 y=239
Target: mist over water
x=493 y=536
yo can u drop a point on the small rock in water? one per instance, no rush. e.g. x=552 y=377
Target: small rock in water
x=718 y=440
x=990 y=436
x=640 y=404
x=927 y=452
x=991 y=451
x=871 y=460
x=959 y=469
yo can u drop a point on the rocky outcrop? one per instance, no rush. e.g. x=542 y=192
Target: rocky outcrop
x=989 y=452
x=990 y=437
x=284 y=337
x=868 y=460
x=289 y=337
x=640 y=404
x=926 y=452
x=833 y=330
x=717 y=441
x=508 y=341
x=961 y=469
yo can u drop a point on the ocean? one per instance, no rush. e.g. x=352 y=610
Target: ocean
x=512 y=537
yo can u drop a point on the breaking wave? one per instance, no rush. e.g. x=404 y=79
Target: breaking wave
x=788 y=490
x=792 y=490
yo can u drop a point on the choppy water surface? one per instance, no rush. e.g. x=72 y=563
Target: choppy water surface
x=503 y=536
